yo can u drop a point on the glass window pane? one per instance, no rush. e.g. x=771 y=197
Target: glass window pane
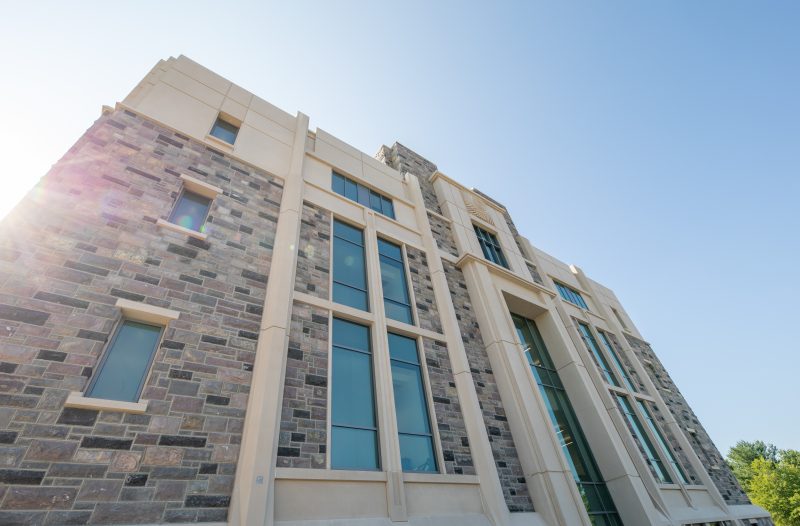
x=352 y=400
x=416 y=453
x=350 y=190
x=375 y=201
x=385 y=248
x=348 y=264
x=225 y=131
x=190 y=211
x=126 y=362
x=398 y=311
x=348 y=232
x=351 y=335
x=363 y=195
x=388 y=207
x=409 y=399
x=349 y=296
x=403 y=348
x=338 y=184
x=393 y=279
x=353 y=448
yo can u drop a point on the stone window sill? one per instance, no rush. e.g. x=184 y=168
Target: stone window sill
x=182 y=230
x=77 y=400
x=219 y=142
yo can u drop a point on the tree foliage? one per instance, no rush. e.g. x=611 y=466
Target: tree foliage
x=771 y=478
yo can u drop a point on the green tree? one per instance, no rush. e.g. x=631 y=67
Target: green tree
x=742 y=455
x=775 y=486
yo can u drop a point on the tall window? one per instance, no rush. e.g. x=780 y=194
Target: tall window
x=579 y=457
x=665 y=449
x=393 y=279
x=650 y=455
x=354 y=432
x=191 y=211
x=224 y=130
x=413 y=423
x=124 y=366
x=349 y=275
x=490 y=246
x=591 y=343
x=359 y=193
x=615 y=357
x=571 y=295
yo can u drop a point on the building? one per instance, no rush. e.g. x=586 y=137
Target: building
x=211 y=313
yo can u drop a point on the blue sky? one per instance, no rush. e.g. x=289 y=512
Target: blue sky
x=654 y=144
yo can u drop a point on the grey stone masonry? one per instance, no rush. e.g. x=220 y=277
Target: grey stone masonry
x=304 y=412
x=705 y=449
x=61 y=273
x=449 y=418
x=313 y=252
x=442 y=233
x=509 y=468
x=427 y=311
x=403 y=160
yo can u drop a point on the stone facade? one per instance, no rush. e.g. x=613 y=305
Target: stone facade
x=427 y=311
x=404 y=159
x=314 y=252
x=449 y=418
x=440 y=228
x=703 y=446
x=304 y=415
x=509 y=468
x=62 y=272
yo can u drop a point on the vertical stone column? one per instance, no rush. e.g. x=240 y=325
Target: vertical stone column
x=491 y=490
x=384 y=393
x=253 y=500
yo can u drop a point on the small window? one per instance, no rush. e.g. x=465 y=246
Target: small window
x=191 y=211
x=396 y=301
x=571 y=295
x=490 y=246
x=362 y=195
x=125 y=364
x=224 y=130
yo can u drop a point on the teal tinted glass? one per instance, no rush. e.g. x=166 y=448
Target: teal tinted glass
x=645 y=444
x=411 y=406
x=393 y=280
x=566 y=426
x=362 y=195
x=354 y=449
x=490 y=246
x=225 y=131
x=602 y=363
x=190 y=211
x=353 y=423
x=349 y=273
x=416 y=453
x=615 y=358
x=126 y=362
x=352 y=401
x=662 y=443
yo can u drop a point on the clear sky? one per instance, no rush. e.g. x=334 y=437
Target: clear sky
x=654 y=144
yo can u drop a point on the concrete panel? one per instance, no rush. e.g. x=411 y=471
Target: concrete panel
x=331 y=499
x=234 y=109
x=240 y=95
x=193 y=88
x=273 y=112
x=445 y=499
x=175 y=109
x=262 y=150
x=194 y=70
x=269 y=127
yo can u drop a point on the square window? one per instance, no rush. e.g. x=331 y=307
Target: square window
x=191 y=211
x=490 y=246
x=224 y=130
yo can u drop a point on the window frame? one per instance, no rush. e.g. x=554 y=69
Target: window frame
x=488 y=240
x=426 y=398
x=365 y=269
x=198 y=187
x=360 y=188
x=98 y=369
x=181 y=195
x=406 y=280
x=566 y=292
x=228 y=120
